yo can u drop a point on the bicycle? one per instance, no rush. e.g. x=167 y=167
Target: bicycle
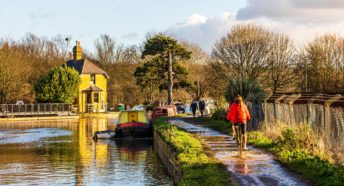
x=239 y=139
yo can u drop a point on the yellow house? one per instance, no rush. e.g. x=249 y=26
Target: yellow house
x=93 y=88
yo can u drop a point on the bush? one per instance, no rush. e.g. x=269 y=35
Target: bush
x=60 y=85
x=219 y=114
x=250 y=90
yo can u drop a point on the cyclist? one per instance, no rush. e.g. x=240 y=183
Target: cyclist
x=239 y=115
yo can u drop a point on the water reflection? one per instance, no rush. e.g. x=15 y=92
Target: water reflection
x=73 y=158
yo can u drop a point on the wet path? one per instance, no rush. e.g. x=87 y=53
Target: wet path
x=257 y=168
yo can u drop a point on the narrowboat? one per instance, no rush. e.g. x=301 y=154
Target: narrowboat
x=168 y=110
x=133 y=123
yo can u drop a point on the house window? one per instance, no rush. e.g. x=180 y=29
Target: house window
x=88 y=98
x=93 y=79
x=96 y=97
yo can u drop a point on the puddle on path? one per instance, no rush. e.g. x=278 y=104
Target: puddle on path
x=256 y=168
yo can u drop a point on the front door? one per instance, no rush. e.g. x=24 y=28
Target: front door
x=89 y=98
x=88 y=105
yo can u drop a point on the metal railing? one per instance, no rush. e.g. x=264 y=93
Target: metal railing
x=95 y=107
x=36 y=109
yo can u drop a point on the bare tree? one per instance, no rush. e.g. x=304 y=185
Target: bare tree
x=106 y=49
x=196 y=66
x=13 y=76
x=244 y=51
x=280 y=61
x=324 y=60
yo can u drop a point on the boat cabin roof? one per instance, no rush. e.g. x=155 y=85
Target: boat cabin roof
x=128 y=116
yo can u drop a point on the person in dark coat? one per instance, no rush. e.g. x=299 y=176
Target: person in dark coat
x=201 y=107
x=194 y=108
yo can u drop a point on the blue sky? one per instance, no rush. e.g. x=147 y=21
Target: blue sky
x=199 y=21
x=126 y=20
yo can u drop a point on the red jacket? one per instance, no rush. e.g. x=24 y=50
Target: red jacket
x=237 y=114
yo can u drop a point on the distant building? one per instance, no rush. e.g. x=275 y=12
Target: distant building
x=93 y=88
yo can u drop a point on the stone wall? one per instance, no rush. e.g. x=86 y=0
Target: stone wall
x=167 y=156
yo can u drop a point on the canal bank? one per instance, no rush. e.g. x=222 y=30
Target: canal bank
x=185 y=157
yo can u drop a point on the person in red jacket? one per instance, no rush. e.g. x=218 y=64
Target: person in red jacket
x=238 y=114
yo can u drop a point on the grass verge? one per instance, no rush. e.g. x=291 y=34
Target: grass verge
x=197 y=167
x=296 y=148
x=299 y=159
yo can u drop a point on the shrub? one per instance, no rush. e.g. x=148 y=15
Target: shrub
x=250 y=90
x=219 y=114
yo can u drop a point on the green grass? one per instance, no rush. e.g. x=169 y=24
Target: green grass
x=197 y=167
x=218 y=125
x=299 y=160
x=290 y=149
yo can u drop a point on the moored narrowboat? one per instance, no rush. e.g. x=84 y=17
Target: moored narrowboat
x=133 y=123
x=168 y=110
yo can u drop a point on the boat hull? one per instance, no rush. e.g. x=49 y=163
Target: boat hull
x=134 y=130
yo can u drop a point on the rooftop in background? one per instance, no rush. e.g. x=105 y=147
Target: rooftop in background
x=84 y=66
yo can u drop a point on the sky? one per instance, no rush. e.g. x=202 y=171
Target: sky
x=202 y=22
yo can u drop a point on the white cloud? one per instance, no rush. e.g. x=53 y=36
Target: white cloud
x=294 y=10
x=202 y=30
x=302 y=20
x=196 y=19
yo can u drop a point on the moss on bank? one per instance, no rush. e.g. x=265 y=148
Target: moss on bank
x=197 y=167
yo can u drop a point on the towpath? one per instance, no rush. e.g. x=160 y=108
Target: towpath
x=257 y=168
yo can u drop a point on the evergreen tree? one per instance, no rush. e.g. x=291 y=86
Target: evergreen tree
x=162 y=70
x=60 y=85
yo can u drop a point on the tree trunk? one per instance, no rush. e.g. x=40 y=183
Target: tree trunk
x=170 y=79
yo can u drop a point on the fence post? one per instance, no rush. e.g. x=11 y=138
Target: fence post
x=327 y=106
x=266 y=109
x=290 y=100
x=277 y=109
x=327 y=118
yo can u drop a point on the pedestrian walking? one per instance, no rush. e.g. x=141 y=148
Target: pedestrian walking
x=201 y=107
x=194 y=108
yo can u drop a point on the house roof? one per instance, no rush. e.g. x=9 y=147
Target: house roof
x=93 y=88
x=84 y=66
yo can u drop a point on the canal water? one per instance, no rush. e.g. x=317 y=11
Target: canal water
x=60 y=152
